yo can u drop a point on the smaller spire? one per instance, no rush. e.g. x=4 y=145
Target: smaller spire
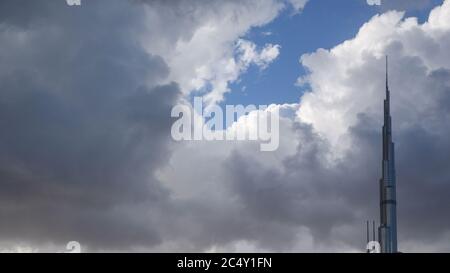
x=368 y=239
x=373 y=231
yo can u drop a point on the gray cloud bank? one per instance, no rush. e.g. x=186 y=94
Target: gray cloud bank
x=84 y=125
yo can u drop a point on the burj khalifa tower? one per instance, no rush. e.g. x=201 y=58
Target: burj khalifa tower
x=387 y=231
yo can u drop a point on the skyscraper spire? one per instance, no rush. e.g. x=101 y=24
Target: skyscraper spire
x=387 y=231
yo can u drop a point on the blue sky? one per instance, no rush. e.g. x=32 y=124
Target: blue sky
x=298 y=34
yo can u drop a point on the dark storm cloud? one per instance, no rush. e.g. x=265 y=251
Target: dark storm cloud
x=423 y=165
x=84 y=124
x=306 y=193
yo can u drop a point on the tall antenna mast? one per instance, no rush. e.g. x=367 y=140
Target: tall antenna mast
x=373 y=230
x=367 y=231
